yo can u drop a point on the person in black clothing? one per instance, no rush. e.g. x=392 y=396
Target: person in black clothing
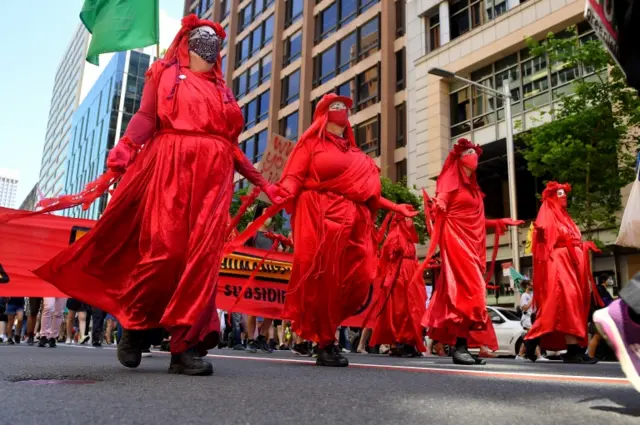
x=14 y=309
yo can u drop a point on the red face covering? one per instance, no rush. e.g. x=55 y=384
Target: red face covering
x=340 y=118
x=562 y=198
x=470 y=161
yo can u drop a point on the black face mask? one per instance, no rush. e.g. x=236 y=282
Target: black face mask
x=205 y=44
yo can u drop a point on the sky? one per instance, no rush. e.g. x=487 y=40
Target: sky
x=33 y=40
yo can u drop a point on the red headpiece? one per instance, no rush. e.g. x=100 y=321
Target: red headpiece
x=321 y=118
x=179 y=48
x=451 y=174
x=552 y=190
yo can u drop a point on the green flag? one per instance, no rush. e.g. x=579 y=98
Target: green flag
x=119 y=25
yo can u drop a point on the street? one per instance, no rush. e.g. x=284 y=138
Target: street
x=282 y=388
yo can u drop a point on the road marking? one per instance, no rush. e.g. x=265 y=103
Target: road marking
x=419 y=369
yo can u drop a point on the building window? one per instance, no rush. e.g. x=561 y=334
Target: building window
x=223 y=64
x=400 y=70
x=367 y=137
x=290 y=88
x=245 y=18
x=469 y=14
x=265 y=69
x=255 y=41
x=289 y=126
x=401 y=171
x=252 y=78
x=225 y=42
x=347 y=52
x=256 y=110
x=225 y=7
x=533 y=82
x=293 y=12
x=433 y=32
x=401 y=125
x=202 y=7
x=339 y=14
x=326 y=22
x=368 y=88
x=262 y=139
x=400 y=18
x=369 y=38
x=292 y=48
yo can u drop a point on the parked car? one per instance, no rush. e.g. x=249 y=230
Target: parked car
x=509 y=332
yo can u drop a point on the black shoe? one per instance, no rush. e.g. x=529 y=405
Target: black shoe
x=263 y=345
x=330 y=356
x=130 y=348
x=252 y=347
x=301 y=349
x=463 y=357
x=96 y=344
x=530 y=346
x=188 y=363
x=52 y=343
x=31 y=340
x=85 y=339
x=577 y=358
x=397 y=351
x=16 y=339
x=43 y=342
x=479 y=361
x=9 y=341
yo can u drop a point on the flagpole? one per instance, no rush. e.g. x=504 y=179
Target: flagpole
x=158 y=51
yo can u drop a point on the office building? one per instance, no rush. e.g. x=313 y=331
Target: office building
x=31 y=201
x=100 y=121
x=8 y=187
x=280 y=57
x=485 y=41
x=64 y=100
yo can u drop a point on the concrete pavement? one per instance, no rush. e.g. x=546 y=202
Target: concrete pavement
x=284 y=389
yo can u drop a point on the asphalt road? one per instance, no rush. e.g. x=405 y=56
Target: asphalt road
x=284 y=389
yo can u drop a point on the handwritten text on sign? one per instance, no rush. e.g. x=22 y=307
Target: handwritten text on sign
x=274 y=160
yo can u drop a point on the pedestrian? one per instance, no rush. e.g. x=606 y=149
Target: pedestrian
x=152 y=259
x=561 y=276
x=458 y=305
x=15 y=315
x=619 y=323
x=52 y=315
x=35 y=306
x=334 y=191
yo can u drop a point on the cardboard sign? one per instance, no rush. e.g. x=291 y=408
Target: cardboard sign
x=274 y=160
x=527 y=247
x=600 y=15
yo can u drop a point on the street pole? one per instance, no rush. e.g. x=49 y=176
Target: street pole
x=511 y=175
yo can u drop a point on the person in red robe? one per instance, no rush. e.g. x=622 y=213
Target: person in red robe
x=153 y=258
x=458 y=304
x=562 y=280
x=334 y=192
x=403 y=299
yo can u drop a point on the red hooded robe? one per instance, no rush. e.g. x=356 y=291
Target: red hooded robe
x=458 y=303
x=153 y=258
x=561 y=278
x=336 y=190
x=403 y=298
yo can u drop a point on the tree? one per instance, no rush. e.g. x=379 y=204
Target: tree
x=591 y=142
x=401 y=194
x=277 y=223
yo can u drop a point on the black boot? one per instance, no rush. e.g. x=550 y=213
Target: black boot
x=189 y=363
x=397 y=351
x=43 y=342
x=461 y=354
x=130 y=348
x=330 y=356
x=31 y=340
x=577 y=355
x=530 y=346
x=52 y=343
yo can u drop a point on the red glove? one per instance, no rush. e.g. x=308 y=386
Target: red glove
x=122 y=155
x=276 y=194
x=510 y=222
x=406 y=210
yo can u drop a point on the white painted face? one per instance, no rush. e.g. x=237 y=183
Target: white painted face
x=337 y=106
x=561 y=193
x=469 y=152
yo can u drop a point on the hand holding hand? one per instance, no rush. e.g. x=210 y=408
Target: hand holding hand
x=276 y=194
x=441 y=205
x=510 y=222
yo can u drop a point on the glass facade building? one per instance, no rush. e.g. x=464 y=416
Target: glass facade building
x=280 y=57
x=100 y=121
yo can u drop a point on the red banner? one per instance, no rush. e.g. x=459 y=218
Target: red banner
x=28 y=243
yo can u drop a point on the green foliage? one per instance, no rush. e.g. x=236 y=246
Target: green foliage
x=401 y=194
x=590 y=143
x=277 y=223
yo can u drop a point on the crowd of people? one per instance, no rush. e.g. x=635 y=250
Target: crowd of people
x=153 y=258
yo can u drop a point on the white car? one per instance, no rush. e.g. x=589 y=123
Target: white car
x=509 y=332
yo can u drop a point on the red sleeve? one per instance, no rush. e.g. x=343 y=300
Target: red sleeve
x=296 y=170
x=246 y=168
x=143 y=123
